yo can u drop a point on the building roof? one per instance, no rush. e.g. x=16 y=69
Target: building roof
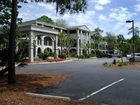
x=41 y=23
x=82 y=27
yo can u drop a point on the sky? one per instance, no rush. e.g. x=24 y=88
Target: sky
x=108 y=15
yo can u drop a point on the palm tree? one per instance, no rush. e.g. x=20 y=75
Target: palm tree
x=86 y=46
x=69 y=43
x=62 y=40
x=96 y=37
x=72 y=6
x=120 y=44
x=111 y=41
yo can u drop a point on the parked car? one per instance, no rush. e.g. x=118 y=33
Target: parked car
x=109 y=55
x=136 y=57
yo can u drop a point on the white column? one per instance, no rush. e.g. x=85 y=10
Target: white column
x=81 y=49
x=53 y=45
x=61 y=30
x=31 y=47
x=56 y=46
x=42 y=43
x=89 y=39
x=36 y=54
x=78 y=53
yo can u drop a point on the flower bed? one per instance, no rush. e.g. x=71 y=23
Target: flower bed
x=52 y=59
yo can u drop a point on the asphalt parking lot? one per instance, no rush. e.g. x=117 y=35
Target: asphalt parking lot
x=90 y=81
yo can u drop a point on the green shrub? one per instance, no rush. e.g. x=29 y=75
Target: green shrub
x=92 y=55
x=125 y=63
x=86 y=56
x=118 y=61
x=122 y=64
x=51 y=54
x=99 y=53
x=63 y=56
x=105 y=64
x=46 y=52
x=81 y=56
x=40 y=55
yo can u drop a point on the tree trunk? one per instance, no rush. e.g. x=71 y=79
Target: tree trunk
x=12 y=45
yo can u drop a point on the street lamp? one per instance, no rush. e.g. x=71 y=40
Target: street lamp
x=133 y=34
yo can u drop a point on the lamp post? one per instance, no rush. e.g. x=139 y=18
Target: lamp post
x=133 y=34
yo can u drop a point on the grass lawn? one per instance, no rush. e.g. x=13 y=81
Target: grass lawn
x=15 y=95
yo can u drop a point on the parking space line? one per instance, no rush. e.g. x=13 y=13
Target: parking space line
x=81 y=99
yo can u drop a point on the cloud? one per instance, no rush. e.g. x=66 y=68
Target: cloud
x=137 y=7
x=102 y=17
x=48 y=7
x=99 y=7
x=101 y=2
x=121 y=14
x=80 y=19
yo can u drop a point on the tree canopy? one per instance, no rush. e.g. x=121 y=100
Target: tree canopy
x=45 y=19
x=61 y=23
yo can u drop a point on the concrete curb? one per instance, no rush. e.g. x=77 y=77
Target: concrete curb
x=15 y=66
x=49 y=96
x=51 y=62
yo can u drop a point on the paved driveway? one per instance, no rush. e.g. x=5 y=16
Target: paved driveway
x=89 y=80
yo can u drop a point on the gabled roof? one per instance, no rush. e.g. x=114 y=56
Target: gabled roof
x=38 y=22
x=82 y=27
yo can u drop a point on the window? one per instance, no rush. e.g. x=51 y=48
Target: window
x=48 y=41
x=72 y=31
x=38 y=40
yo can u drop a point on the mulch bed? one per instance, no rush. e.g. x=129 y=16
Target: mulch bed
x=15 y=94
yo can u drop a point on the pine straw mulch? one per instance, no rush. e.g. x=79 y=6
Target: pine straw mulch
x=15 y=95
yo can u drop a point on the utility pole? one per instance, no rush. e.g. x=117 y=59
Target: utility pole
x=133 y=38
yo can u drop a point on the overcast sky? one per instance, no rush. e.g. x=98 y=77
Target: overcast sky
x=109 y=15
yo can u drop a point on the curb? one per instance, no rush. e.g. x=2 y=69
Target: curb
x=49 y=96
x=51 y=62
x=15 y=66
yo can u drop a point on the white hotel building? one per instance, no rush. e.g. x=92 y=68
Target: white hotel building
x=45 y=35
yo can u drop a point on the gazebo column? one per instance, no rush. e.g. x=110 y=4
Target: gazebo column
x=89 y=41
x=31 y=47
x=36 y=55
x=42 y=43
x=78 y=46
x=53 y=45
x=56 y=46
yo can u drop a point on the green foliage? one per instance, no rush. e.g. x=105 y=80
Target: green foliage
x=65 y=40
x=120 y=64
x=61 y=23
x=5 y=12
x=105 y=64
x=98 y=53
x=71 y=6
x=96 y=36
x=47 y=53
x=111 y=41
x=5 y=15
x=92 y=55
x=63 y=56
x=45 y=19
